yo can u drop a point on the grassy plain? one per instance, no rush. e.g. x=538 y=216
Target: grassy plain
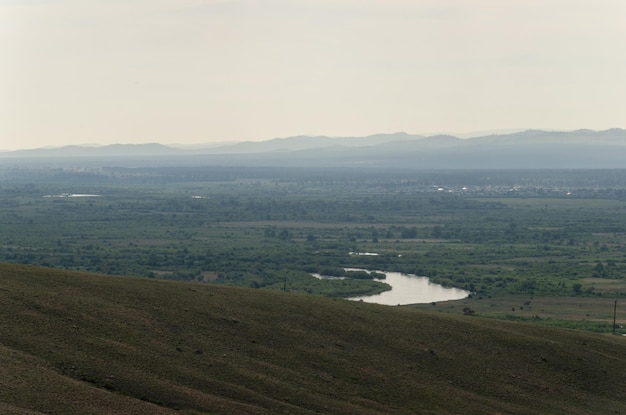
x=76 y=343
x=585 y=313
x=498 y=234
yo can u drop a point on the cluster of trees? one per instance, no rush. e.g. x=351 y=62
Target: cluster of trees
x=275 y=229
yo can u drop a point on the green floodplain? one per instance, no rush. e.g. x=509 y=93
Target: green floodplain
x=189 y=290
x=543 y=246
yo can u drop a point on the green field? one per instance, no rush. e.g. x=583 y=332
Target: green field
x=506 y=236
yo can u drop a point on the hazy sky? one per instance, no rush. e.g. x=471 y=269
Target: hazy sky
x=192 y=71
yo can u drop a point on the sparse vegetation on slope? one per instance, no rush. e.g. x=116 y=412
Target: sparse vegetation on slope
x=74 y=343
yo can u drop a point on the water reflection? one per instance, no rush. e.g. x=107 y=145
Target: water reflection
x=410 y=289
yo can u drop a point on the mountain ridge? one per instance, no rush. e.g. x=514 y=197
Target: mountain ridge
x=520 y=150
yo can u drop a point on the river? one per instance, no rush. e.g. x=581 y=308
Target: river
x=410 y=289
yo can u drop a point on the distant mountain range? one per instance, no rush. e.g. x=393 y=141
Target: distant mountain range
x=303 y=142
x=113 y=150
x=531 y=149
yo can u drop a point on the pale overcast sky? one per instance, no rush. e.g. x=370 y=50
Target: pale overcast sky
x=194 y=71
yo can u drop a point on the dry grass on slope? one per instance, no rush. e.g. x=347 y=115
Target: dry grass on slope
x=74 y=343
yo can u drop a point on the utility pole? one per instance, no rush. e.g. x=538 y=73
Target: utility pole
x=614 y=313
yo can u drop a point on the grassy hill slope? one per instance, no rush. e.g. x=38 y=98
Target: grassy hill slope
x=73 y=343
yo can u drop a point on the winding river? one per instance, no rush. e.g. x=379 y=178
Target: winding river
x=410 y=289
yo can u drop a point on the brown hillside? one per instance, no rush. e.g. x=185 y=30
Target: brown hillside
x=73 y=343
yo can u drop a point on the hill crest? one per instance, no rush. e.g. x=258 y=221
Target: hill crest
x=83 y=343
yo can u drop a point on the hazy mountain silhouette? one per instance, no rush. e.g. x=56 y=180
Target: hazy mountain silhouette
x=580 y=149
x=303 y=142
x=113 y=150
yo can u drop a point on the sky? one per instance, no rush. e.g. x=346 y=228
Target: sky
x=201 y=71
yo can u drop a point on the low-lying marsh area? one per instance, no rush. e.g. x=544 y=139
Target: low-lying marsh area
x=563 y=237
